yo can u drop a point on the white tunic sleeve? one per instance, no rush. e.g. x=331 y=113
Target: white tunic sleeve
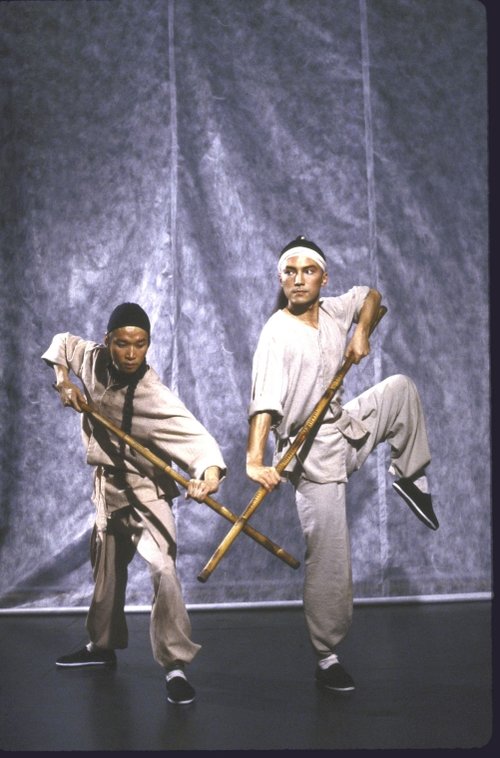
x=268 y=375
x=68 y=350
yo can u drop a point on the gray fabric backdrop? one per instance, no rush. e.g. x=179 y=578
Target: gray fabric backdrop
x=163 y=151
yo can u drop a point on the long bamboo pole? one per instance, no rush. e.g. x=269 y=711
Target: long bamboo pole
x=310 y=424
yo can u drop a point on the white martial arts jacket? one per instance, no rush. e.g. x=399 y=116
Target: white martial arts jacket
x=293 y=365
x=160 y=422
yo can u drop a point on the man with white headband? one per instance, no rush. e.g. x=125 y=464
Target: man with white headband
x=300 y=349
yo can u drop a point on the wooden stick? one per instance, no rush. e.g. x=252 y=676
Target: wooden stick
x=311 y=423
x=276 y=550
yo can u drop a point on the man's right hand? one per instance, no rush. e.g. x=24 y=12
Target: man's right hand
x=266 y=476
x=70 y=394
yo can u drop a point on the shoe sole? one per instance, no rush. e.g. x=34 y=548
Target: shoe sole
x=335 y=689
x=181 y=702
x=414 y=507
x=80 y=665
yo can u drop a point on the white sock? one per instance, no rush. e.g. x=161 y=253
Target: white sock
x=422 y=484
x=91 y=647
x=325 y=663
x=175 y=672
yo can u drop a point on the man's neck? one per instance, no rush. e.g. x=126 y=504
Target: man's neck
x=122 y=377
x=309 y=314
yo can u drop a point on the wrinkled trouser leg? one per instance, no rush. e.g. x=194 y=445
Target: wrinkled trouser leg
x=328 y=579
x=111 y=553
x=390 y=411
x=170 y=627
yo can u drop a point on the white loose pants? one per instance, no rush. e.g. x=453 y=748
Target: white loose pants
x=129 y=530
x=391 y=411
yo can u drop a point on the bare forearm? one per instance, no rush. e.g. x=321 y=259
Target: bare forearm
x=70 y=393
x=369 y=310
x=212 y=474
x=359 y=345
x=62 y=374
x=258 y=434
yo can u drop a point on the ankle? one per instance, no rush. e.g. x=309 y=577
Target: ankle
x=325 y=663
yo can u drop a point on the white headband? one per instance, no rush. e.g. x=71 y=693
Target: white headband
x=299 y=250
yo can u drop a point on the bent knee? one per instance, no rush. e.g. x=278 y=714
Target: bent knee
x=401 y=383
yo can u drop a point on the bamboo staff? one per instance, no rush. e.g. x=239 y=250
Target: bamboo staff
x=310 y=424
x=276 y=550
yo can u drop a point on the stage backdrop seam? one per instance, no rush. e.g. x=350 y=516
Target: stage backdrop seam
x=372 y=253
x=174 y=150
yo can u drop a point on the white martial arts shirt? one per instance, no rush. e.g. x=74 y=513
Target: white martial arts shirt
x=293 y=365
x=160 y=422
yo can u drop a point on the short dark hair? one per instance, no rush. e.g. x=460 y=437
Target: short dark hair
x=303 y=242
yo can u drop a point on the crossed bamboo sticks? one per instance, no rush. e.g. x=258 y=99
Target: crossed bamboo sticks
x=311 y=424
x=276 y=550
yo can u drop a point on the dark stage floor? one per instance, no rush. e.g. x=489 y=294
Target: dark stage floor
x=423 y=676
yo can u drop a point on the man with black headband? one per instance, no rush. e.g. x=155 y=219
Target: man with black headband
x=300 y=349
x=133 y=498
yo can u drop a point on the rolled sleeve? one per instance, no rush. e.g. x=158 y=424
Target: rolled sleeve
x=67 y=350
x=268 y=378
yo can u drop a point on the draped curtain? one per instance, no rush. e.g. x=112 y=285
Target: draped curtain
x=163 y=152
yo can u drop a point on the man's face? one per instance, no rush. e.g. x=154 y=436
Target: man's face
x=127 y=347
x=302 y=280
